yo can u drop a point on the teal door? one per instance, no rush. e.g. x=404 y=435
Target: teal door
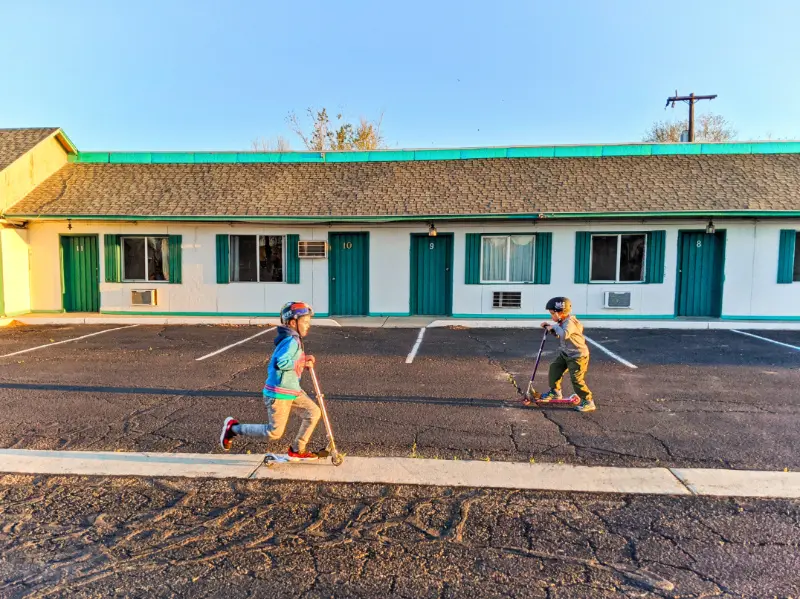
x=80 y=274
x=348 y=264
x=701 y=265
x=432 y=275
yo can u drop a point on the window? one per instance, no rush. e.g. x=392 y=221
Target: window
x=617 y=258
x=145 y=259
x=507 y=258
x=256 y=258
x=796 y=274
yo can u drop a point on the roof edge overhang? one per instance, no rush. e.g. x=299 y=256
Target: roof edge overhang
x=323 y=219
x=66 y=143
x=553 y=151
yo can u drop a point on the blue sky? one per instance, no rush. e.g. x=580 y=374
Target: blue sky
x=211 y=75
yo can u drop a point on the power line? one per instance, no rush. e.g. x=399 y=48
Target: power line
x=691 y=99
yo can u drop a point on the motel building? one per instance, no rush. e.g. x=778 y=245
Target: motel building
x=631 y=233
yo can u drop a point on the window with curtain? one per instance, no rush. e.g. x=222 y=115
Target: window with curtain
x=145 y=259
x=507 y=258
x=257 y=258
x=618 y=258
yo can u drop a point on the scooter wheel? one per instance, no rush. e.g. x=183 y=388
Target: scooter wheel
x=337 y=459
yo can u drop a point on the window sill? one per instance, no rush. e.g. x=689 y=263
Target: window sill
x=618 y=283
x=143 y=282
x=506 y=283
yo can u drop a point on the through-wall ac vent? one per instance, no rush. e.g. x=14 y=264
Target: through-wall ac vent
x=617 y=299
x=143 y=297
x=313 y=249
x=507 y=299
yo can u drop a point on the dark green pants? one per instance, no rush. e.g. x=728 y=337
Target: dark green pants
x=577 y=372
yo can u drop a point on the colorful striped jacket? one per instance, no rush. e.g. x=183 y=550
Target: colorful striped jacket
x=285 y=366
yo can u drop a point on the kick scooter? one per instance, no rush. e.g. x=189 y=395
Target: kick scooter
x=337 y=459
x=531 y=397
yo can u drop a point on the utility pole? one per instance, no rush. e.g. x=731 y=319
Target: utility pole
x=691 y=99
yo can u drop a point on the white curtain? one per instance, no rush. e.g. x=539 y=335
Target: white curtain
x=234 y=257
x=494 y=258
x=521 y=267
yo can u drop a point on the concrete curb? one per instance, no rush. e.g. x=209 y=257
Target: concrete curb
x=410 y=471
x=160 y=320
x=722 y=325
x=405 y=322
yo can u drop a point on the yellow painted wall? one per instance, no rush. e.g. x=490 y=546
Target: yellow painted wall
x=17 y=180
x=16 y=271
x=20 y=177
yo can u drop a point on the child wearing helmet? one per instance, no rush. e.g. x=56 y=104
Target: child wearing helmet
x=282 y=390
x=573 y=354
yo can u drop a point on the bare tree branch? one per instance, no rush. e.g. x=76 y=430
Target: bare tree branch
x=708 y=127
x=279 y=144
x=344 y=136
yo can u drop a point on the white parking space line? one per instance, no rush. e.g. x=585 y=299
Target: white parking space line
x=24 y=351
x=610 y=353
x=794 y=347
x=415 y=349
x=227 y=347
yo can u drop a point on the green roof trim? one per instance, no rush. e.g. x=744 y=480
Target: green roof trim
x=413 y=218
x=583 y=151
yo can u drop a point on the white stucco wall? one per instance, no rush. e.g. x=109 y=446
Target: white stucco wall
x=16 y=276
x=750 y=271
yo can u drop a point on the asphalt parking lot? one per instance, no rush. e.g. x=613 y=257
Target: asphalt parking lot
x=100 y=537
x=665 y=397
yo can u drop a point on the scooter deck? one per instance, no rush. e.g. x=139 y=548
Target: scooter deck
x=283 y=458
x=566 y=402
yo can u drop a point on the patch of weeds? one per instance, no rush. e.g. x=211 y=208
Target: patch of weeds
x=414 y=452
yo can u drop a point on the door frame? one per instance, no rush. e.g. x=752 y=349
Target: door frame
x=724 y=240
x=365 y=291
x=412 y=289
x=61 y=264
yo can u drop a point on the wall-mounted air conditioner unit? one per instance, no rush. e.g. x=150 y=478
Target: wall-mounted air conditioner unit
x=617 y=299
x=507 y=299
x=312 y=249
x=143 y=297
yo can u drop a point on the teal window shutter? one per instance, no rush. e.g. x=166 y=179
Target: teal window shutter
x=544 y=253
x=292 y=259
x=472 y=264
x=175 y=259
x=223 y=260
x=656 y=245
x=583 y=245
x=786 y=254
x=112 y=258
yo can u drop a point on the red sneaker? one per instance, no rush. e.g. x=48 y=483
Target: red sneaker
x=227 y=434
x=301 y=456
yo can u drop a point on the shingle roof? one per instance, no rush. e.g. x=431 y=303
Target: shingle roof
x=15 y=142
x=458 y=187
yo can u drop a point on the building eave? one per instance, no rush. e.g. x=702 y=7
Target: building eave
x=377 y=219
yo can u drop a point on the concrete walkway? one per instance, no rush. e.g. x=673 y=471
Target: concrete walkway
x=412 y=471
x=399 y=322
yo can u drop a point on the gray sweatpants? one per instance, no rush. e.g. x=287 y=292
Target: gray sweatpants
x=278 y=415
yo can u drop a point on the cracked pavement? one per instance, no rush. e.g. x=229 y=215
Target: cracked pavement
x=697 y=399
x=88 y=537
